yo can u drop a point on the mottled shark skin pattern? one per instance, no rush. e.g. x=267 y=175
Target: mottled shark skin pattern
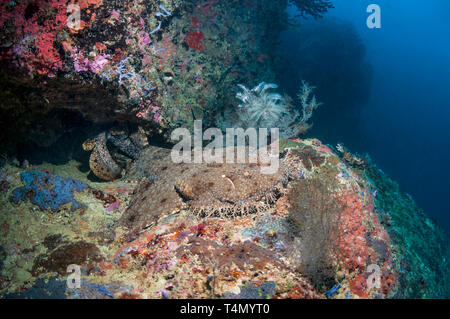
x=102 y=162
x=214 y=189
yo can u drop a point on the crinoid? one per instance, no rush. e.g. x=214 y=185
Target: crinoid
x=260 y=107
x=215 y=189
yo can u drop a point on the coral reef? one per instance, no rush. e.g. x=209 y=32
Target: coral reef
x=265 y=291
x=48 y=191
x=420 y=247
x=4 y=183
x=158 y=63
x=90 y=290
x=364 y=242
x=309 y=156
x=240 y=256
x=327 y=224
x=43 y=289
x=59 y=259
x=187 y=251
x=350 y=158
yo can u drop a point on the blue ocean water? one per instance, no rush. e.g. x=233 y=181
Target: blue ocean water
x=403 y=121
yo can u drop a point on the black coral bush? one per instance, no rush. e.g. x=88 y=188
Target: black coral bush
x=316 y=213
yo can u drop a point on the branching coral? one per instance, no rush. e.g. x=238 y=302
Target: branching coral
x=309 y=105
x=261 y=108
x=315 y=8
x=316 y=212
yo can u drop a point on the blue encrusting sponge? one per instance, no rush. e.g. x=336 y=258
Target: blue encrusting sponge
x=48 y=191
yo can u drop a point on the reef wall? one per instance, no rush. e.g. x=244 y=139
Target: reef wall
x=159 y=64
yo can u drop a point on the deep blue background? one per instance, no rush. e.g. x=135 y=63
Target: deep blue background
x=405 y=123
